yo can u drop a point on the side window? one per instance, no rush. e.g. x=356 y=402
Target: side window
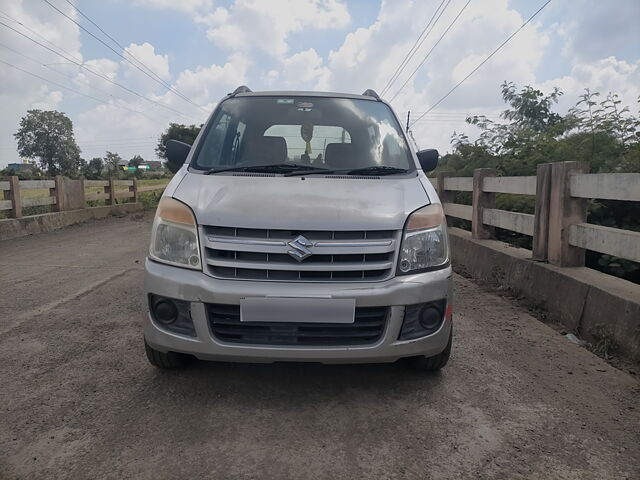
x=214 y=143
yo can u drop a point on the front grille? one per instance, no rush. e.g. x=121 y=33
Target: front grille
x=262 y=254
x=366 y=329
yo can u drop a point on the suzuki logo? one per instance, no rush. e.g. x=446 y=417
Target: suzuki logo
x=300 y=248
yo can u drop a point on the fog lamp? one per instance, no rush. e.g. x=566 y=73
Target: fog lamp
x=172 y=314
x=422 y=319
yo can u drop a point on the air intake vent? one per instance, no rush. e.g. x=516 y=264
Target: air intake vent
x=353 y=177
x=366 y=329
x=253 y=175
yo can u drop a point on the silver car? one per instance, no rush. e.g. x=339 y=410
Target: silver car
x=301 y=227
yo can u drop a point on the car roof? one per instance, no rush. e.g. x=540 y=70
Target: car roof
x=292 y=93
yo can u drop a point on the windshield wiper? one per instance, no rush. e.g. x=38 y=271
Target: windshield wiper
x=373 y=170
x=273 y=168
x=377 y=170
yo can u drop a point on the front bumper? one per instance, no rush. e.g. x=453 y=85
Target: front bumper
x=200 y=289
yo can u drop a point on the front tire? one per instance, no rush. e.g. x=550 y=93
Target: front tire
x=435 y=363
x=166 y=361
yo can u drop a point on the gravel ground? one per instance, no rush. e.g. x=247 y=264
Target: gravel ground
x=78 y=399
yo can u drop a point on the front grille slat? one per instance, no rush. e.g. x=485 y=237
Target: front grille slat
x=262 y=254
x=367 y=328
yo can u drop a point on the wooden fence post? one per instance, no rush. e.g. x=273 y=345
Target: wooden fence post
x=58 y=192
x=481 y=200
x=14 y=195
x=111 y=190
x=134 y=189
x=541 y=214
x=564 y=211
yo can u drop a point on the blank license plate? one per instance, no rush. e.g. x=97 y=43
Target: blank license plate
x=298 y=310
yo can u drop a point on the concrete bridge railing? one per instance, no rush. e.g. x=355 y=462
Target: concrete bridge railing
x=68 y=200
x=558 y=227
x=552 y=276
x=63 y=193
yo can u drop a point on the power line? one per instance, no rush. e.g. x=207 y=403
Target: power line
x=157 y=80
x=432 y=49
x=483 y=62
x=56 y=83
x=84 y=67
x=73 y=78
x=413 y=50
x=164 y=83
x=128 y=139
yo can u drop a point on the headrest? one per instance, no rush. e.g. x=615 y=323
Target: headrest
x=267 y=150
x=339 y=155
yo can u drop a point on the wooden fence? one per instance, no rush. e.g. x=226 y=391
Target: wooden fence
x=558 y=227
x=67 y=194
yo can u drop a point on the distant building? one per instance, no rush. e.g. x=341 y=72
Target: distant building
x=24 y=167
x=154 y=165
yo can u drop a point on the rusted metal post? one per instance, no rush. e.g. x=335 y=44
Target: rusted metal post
x=564 y=211
x=111 y=191
x=134 y=191
x=541 y=214
x=13 y=194
x=480 y=201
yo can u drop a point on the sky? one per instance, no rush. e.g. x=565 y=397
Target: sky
x=173 y=60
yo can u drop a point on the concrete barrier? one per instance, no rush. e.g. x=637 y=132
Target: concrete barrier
x=20 y=227
x=585 y=301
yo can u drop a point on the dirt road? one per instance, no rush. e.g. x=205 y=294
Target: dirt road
x=78 y=399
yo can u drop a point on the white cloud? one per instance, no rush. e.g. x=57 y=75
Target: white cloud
x=206 y=85
x=305 y=70
x=21 y=91
x=594 y=30
x=145 y=54
x=188 y=6
x=87 y=81
x=369 y=57
x=265 y=26
x=50 y=100
x=607 y=75
x=592 y=45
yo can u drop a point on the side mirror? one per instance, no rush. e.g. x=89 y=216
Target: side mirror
x=177 y=151
x=428 y=159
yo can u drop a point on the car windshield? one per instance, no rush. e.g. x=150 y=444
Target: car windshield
x=312 y=133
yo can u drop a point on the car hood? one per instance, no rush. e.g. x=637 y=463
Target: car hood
x=301 y=203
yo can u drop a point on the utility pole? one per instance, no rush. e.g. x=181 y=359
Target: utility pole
x=408 y=117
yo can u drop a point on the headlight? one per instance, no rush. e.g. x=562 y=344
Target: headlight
x=424 y=242
x=174 y=237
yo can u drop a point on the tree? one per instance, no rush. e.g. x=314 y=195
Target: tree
x=48 y=136
x=135 y=161
x=93 y=168
x=112 y=163
x=176 y=131
x=600 y=132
